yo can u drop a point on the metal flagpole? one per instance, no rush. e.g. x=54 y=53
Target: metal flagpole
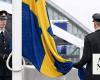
x=17 y=39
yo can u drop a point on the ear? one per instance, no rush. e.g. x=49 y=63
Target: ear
x=94 y=24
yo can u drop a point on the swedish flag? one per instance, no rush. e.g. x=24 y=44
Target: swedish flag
x=37 y=39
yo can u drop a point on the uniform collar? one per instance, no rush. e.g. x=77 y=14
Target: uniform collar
x=2 y=30
x=97 y=30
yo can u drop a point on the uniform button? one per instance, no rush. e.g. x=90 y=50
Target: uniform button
x=4 y=42
x=5 y=48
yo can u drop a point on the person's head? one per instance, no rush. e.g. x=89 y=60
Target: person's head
x=3 y=19
x=96 y=20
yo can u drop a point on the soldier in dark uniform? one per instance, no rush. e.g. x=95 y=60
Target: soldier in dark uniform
x=91 y=45
x=5 y=47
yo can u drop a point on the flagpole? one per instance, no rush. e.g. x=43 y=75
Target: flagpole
x=17 y=39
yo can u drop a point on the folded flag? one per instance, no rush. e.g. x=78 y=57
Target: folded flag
x=37 y=40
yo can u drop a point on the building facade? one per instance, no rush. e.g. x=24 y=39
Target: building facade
x=64 y=20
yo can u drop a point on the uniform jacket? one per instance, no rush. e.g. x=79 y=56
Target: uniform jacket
x=91 y=45
x=5 y=50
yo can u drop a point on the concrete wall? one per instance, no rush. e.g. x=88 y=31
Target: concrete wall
x=30 y=73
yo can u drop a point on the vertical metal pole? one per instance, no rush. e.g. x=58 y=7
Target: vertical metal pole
x=17 y=39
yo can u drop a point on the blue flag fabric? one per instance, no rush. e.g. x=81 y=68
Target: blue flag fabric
x=37 y=40
x=81 y=73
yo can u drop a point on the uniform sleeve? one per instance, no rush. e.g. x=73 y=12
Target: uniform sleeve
x=86 y=54
x=1 y=57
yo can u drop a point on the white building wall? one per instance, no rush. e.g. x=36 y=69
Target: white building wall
x=30 y=73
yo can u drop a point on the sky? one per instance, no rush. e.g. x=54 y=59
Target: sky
x=6 y=6
x=82 y=10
